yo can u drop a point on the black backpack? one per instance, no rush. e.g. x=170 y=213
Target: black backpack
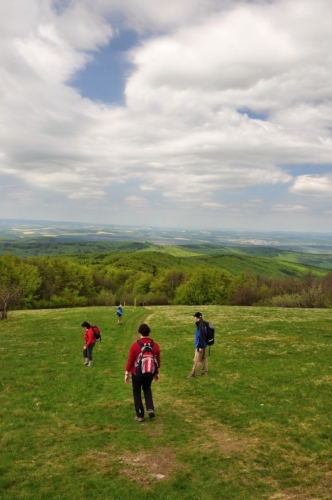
x=146 y=364
x=208 y=334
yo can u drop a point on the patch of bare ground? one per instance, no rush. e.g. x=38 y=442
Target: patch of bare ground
x=143 y=467
x=297 y=494
x=146 y=468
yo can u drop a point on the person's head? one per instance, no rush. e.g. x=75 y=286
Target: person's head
x=144 y=330
x=85 y=324
x=198 y=316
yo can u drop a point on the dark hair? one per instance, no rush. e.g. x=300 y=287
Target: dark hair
x=86 y=324
x=144 y=330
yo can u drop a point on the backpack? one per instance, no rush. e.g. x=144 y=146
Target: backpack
x=96 y=333
x=209 y=334
x=209 y=338
x=147 y=363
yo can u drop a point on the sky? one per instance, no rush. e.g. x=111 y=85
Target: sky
x=211 y=114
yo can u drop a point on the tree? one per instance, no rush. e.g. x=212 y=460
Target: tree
x=64 y=282
x=19 y=282
x=244 y=290
x=206 y=286
x=168 y=283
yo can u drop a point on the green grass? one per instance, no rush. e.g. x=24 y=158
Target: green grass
x=258 y=427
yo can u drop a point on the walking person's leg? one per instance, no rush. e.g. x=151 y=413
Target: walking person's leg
x=137 y=388
x=89 y=353
x=147 y=381
x=85 y=356
x=204 y=363
x=197 y=361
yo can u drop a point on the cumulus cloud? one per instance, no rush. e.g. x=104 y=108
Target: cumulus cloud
x=221 y=99
x=315 y=185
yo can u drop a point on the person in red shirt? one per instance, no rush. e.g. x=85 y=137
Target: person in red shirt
x=90 y=341
x=142 y=382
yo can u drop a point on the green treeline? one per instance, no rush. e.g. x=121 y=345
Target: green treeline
x=159 y=279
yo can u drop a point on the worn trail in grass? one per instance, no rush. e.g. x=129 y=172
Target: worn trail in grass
x=258 y=427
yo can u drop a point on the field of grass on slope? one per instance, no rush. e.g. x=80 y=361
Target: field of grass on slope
x=258 y=427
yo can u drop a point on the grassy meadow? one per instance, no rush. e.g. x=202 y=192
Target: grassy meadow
x=257 y=427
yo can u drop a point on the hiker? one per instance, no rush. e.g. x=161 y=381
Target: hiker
x=200 y=346
x=119 y=313
x=90 y=341
x=144 y=380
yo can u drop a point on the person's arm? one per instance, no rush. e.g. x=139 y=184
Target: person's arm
x=197 y=338
x=200 y=336
x=157 y=353
x=130 y=362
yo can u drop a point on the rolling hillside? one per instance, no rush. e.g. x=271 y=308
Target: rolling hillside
x=153 y=262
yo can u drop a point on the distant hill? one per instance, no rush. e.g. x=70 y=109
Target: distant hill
x=49 y=234
x=150 y=249
x=154 y=261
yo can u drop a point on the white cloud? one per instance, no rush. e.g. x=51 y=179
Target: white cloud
x=315 y=185
x=213 y=206
x=136 y=202
x=183 y=132
x=288 y=208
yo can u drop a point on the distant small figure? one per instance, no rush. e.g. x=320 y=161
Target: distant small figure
x=143 y=363
x=200 y=346
x=90 y=341
x=119 y=313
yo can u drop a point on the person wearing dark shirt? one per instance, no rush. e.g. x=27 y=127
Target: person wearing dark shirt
x=200 y=346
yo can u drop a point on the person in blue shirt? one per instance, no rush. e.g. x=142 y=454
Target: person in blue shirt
x=200 y=346
x=119 y=313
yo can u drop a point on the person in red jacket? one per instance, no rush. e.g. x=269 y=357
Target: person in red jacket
x=140 y=382
x=90 y=341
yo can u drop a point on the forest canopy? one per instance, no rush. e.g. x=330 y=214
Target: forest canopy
x=158 y=278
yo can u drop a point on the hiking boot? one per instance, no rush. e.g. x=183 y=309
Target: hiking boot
x=151 y=414
x=139 y=419
x=191 y=376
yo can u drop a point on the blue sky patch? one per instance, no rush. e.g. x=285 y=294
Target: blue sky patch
x=104 y=78
x=252 y=115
